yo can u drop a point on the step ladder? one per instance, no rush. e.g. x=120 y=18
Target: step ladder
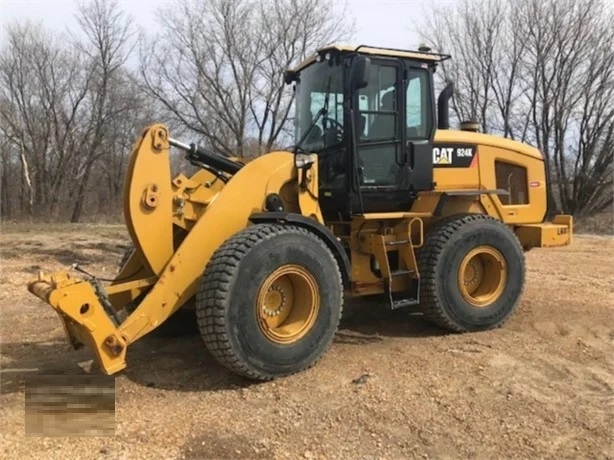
x=400 y=242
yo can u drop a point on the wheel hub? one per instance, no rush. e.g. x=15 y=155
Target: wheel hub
x=287 y=304
x=474 y=273
x=274 y=301
x=482 y=276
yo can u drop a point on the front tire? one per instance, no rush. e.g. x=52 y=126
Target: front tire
x=270 y=301
x=472 y=271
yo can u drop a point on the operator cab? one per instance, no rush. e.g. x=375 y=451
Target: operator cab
x=369 y=114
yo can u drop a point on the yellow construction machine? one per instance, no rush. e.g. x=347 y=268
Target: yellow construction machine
x=378 y=196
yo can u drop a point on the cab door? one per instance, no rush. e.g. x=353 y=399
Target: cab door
x=394 y=125
x=419 y=125
x=381 y=180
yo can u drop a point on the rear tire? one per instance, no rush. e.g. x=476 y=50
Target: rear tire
x=472 y=271
x=270 y=301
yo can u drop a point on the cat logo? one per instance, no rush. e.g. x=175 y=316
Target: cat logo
x=442 y=156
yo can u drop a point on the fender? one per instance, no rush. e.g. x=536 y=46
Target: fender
x=315 y=227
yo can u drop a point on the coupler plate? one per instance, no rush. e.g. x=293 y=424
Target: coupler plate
x=85 y=320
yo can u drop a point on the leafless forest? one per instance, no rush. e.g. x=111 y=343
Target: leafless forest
x=72 y=103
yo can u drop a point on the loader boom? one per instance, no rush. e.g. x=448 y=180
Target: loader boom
x=168 y=275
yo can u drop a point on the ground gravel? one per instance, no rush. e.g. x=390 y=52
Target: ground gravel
x=391 y=387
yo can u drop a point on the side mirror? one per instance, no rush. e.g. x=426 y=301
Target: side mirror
x=359 y=74
x=289 y=76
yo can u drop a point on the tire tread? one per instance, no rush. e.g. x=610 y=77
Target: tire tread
x=436 y=242
x=216 y=285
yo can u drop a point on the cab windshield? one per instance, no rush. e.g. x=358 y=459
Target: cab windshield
x=312 y=87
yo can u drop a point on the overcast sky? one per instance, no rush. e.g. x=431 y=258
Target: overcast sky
x=378 y=22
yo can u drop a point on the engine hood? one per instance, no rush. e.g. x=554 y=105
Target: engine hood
x=468 y=137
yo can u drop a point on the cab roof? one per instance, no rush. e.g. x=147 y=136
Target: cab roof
x=424 y=56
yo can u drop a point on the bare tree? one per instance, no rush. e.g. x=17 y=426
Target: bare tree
x=133 y=111
x=108 y=41
x=66 y=103
x=571 y=104
x=41 y=95
x=217 y=66
x=70 y=107
x=7 y=182
x=540 y=72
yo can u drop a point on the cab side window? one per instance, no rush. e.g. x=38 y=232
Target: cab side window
x=418 y=122
x=378 y=118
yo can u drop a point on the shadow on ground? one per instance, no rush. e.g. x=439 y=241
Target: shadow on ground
x=372 y=319
x=30 y=359
x=182 y=362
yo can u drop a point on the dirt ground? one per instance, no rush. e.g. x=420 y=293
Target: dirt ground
x=542 y=386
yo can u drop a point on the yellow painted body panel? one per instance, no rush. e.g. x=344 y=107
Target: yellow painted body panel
x=85 y=321
x=370 y=236
x=559 y=232
x=147 y=198
x=229 y=213
x=468 y=137
x=177 y=224
x=481 y=175
x=532 y=212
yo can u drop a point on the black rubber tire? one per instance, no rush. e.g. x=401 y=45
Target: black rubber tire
x=225 y=302
x=447 y=242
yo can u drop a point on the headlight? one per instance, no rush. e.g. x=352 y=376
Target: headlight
x=302 y=160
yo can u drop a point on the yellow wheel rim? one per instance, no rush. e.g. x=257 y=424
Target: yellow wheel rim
x=482 y=276
x=287 y=305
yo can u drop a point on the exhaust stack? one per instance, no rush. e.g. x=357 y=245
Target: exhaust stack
x=443 y=111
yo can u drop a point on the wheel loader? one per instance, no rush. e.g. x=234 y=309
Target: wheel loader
x=378 y=197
